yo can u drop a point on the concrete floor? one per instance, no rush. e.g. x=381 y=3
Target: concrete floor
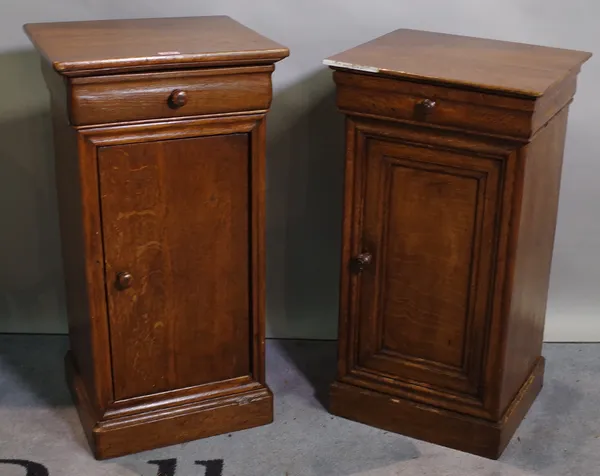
x=38 y=424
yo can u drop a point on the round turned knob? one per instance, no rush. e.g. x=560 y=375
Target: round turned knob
x=361 y=261
x=178 y=98
x=428 y=105
x=124 y=280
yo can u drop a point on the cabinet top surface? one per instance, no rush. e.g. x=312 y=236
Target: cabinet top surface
x=491 y=65
x=77 y=48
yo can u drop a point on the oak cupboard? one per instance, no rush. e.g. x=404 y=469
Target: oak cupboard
x=159 y=129
x=453 y=164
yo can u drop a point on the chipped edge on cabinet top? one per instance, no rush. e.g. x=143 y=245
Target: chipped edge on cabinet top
x=357 y=67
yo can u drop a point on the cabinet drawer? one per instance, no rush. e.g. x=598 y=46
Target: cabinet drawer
x=434 y=105
x=135 y=97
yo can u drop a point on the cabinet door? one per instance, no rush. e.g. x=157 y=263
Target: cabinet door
x=427 y=223
x=175 y=216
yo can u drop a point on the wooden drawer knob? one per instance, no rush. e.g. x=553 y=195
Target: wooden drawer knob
x=178 y=98
x=124 y=280
x=427 y=106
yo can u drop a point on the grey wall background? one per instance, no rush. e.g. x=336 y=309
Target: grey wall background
x=305 y=150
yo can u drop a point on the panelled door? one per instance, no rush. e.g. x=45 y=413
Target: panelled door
x=425 y=247
x=175 y=220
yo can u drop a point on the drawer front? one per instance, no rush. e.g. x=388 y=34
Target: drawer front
x=135 y=97
x=434 y=105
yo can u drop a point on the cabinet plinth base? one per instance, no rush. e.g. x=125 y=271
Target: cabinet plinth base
x=118 y=436
x=454 y=430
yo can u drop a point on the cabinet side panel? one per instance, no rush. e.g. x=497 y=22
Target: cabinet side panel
x=539 y=204
x=85 y=306
x=71 y=230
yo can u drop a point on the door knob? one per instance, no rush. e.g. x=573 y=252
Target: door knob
x=361 y=261
x=428 y=105
x=178 y=98
x=124 y=280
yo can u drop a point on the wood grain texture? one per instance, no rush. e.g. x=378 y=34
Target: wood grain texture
x=424 y=315
x=82 y=257
x=451 y=190
x=553 y=102
x=180 y=396
x=169 y=129
x=175 y=215
x=425 y=210
x=463 y=110
x=190 y=422
x=455 y=109
x=153 y=426
x=135 y=97
x=539 y=187
x=454 y=430
x=161 y=181
x=483 y=64
x=96 y=47
x=472 y=153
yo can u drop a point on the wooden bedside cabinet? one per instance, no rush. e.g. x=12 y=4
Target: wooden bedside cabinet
x=159 y=130
x=454 y=154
